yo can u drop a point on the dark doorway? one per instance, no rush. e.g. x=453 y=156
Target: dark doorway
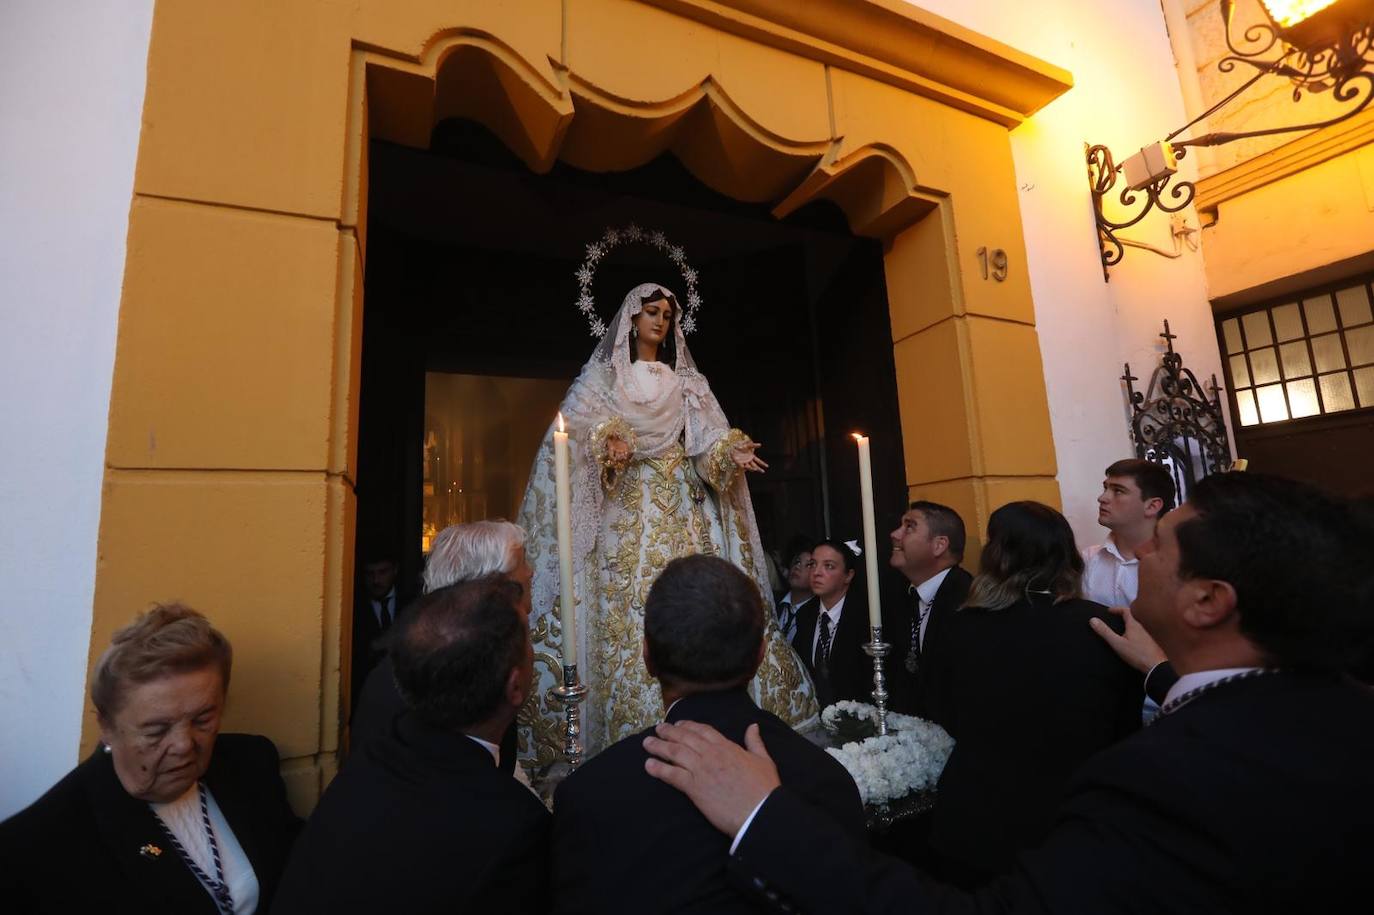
x=470 y=270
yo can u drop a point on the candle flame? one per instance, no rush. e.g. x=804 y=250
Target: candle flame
x=560 y=421
x=858 y=436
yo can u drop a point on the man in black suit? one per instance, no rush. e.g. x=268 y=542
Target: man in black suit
x=624 y=842
x=461 y=552
x=424 y=820
x=833 y=626
x=377 y=602
x=927 y=547
x=1252 y=792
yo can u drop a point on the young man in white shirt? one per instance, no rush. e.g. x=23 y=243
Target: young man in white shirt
x=1135 y=495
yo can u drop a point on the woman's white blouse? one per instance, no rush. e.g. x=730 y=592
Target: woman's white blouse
x=182 y=817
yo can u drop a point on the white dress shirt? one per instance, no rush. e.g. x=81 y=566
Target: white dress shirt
x=182 y=818
x=1189 y=682
x=834 y=614
x=925 y=595
x=386 y=605
x=1108 y=577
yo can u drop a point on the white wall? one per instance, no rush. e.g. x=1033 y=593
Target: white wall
x=1126 y=94
x=71 y=97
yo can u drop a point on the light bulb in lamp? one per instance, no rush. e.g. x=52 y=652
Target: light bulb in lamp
x=1310 y=24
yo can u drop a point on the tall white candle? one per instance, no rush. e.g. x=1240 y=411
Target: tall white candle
x=875 y=612
x=563 y=495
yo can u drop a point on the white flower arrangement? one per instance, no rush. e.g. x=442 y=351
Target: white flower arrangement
x=906 y=760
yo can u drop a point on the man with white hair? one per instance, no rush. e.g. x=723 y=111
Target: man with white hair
x=461 y=552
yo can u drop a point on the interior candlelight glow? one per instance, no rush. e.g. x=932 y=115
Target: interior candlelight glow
x=858 y=436
x=560 y=421
x=1289 y=13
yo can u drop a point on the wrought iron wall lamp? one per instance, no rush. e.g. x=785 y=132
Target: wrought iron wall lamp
x=1321 y=45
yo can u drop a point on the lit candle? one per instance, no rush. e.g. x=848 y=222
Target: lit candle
x=875 y=613
x=563 y=496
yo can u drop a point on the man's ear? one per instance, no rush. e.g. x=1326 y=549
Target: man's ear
x=648 y=660
x=1210 y=603
x=518 y=686
x=939 y=545
x=1153 y=507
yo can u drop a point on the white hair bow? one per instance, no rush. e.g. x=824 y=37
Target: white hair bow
x=854 y=547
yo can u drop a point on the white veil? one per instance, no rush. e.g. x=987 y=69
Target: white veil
x=606 y=388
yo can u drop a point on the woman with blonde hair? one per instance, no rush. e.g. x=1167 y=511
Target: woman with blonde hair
x=1026 y=689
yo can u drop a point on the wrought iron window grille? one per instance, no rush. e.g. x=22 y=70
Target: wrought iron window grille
x=1332 y=52
x=1177 y=423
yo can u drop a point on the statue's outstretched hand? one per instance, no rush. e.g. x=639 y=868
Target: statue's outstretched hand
x=745 y=457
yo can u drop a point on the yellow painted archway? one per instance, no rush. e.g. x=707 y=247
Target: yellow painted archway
x=232 y=453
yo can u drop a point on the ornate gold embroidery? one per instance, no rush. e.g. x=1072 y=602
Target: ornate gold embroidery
x=720 y=468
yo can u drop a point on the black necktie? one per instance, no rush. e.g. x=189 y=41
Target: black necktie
x=383 y=616
x=823 y=643
x=913 y=656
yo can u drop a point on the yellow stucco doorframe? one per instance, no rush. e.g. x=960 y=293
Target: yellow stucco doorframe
x=231 y=459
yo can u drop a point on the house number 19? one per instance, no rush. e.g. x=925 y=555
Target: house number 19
x=993 y=263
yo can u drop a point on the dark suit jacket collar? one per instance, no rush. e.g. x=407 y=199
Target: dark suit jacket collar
x=126 y=825
x=439 y=748
x=710 y=704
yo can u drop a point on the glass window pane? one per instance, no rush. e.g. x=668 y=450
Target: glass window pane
x=1336 y=393
x=1328 y=352
x=1264 y=364
x=1360 y=343
x=1257 y=329
x=1302 y=398
x=1354 y=304
x=1245 y=401
x=1295 y=361
x=1240 y=372
x=1271 y=403
x=1287 y=322
x=1320 y=317
x=1364 y=385
x=1231 y=327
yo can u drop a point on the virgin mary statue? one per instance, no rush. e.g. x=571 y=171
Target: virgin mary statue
x=657 y=473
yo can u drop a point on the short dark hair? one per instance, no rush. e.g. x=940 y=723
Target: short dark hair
x=454 y=648
x=943 y=521
x=704 y=622
x=801 y=543
x=1030 y=549
x=1298 y=560
x=839 y=546
x=1153 y=480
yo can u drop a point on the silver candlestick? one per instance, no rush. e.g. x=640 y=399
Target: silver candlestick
x=877 y=649
x=570 y=695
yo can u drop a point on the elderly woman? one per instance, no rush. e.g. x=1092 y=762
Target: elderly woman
x=1027 y=691
x=167 y=815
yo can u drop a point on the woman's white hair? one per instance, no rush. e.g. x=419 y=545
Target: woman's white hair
x=463 y=552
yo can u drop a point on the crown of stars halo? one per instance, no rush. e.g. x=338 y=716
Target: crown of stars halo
x=633 y=234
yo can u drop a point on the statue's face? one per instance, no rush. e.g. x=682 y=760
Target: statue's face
x=654 y=322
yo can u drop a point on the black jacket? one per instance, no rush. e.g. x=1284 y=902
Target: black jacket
x=626 y=842
x=1256 y=797
x=418 y=821
x=908 y=689
x=849 y=671
x=77 y=848
x=379 y=704
x=1028 y=693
